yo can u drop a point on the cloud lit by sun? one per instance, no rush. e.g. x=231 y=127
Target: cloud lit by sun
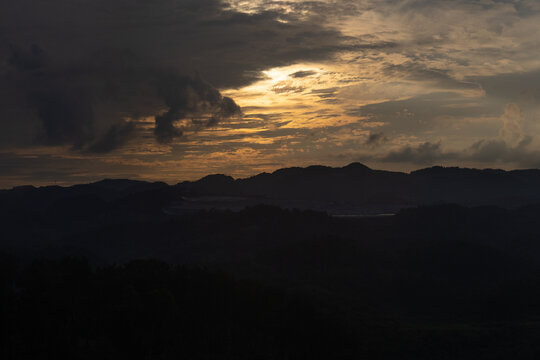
x=317 y=82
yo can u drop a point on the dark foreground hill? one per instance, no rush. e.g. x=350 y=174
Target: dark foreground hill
x=442 y=281
x=358 y=186
x=353 y=189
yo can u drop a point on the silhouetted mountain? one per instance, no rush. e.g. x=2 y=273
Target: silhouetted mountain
x=357 y=186
x=442 y=281
x=444 y=276
x=51 y=211
x=353 y=189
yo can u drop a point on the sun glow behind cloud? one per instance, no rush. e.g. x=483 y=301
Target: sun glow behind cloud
x=306 y=94
x=338 y=81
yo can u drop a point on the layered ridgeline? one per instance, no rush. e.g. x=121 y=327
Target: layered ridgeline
x=432 y=282
x=353 y=189
x=358 y=188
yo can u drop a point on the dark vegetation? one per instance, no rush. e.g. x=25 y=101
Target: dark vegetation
x=63 y=309
x=432 y=282
x=359 y=185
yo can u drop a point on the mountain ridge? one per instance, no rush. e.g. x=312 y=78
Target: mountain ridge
x=361 y=184
x=319 y=187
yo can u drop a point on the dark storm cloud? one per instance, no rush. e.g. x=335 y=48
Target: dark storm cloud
x=117 y=135
x=375 y=139
x=74 y=106
x=522 y=87
x=77 y=72
x=482 y=151
x=423 y=154
x=284 y=87
x=47 y=170
x=23 y=59
x=325 y=93
x=302 y=73
x=419 y=72
x=489 y=150
x=423 y=113
x=190 y=98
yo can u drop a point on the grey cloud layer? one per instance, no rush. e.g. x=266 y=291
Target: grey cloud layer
x=512 y=145
x=489 y=151
x=73 y=72
x=437 y=76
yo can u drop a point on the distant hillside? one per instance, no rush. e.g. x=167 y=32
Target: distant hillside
x=353 y=189
x=445 y=276
x=357 y=184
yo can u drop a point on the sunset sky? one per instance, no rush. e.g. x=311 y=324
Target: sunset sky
x=174 y=90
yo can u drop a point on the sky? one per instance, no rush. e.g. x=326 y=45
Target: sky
x=173 y=90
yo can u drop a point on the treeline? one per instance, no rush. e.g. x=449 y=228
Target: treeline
x=146 y=309
x=439 y=282
x=64 y=309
